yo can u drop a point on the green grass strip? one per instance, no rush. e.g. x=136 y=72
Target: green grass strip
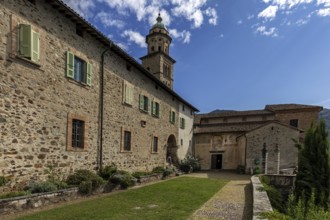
x=174 y=199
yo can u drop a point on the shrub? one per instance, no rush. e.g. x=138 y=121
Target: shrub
x=185 y=168
x=40 y=187
x=3 y=180
x=85 y=176
x=107 y=171
x=274 y=195
x=158 y=170
x=138 y=174
x=86 y=187
x=14 y=194
x=167 y=172
x=256 y=170
x=193 y=162
x=122 y=178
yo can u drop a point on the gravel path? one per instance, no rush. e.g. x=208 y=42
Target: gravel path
x=232 y=202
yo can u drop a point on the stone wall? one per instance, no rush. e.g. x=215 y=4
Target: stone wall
x=275 y=136
x=37 y=100
x=186 y=133
x=305 y=118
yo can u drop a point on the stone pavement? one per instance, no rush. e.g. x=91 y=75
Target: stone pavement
x=232 y=202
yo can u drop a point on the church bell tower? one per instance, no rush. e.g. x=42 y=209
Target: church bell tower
x=158 y=61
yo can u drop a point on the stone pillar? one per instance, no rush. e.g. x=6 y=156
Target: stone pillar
x=278 y=159
x=264 y=159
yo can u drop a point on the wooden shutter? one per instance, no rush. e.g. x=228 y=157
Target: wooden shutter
x=35 y=47
x=130 y=94
x=25 y=40
x=69 y=65
x=170 y=116
x=89 y=74
x=153 y=108
x=141 y=102
x=159 y=110
x=149 y=105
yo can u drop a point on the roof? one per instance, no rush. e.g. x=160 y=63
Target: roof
x=159 y=23
x=89 y=28
x=292 y=106
x=227 y=127
x=231 y=113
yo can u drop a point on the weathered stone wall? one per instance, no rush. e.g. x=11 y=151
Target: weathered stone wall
x=185 y=134
x=305 y=118
x=273 y=135
x=35 y=102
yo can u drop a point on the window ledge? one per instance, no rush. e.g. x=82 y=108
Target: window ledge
x=75 y=149
x=154 y=153
x=126 y=152
x=144 y=111
x=83 y=85
x=127 y=104
x=24 y=60
x=155 y=116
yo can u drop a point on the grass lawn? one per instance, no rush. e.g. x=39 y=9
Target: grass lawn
x=174 y=199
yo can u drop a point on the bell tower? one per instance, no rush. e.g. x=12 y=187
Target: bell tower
x=158 y=61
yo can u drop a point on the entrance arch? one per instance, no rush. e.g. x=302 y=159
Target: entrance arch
x=172 y=151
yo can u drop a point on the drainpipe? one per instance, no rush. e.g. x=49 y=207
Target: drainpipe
x=101 y=106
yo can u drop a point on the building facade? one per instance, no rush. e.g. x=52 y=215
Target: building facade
x=259 y=139
x=72 y=99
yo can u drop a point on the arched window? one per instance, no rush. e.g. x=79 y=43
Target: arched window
x=152 y=48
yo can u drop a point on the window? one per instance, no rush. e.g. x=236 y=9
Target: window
x=191 y=112
x=152 y=48
x=172 y=117
x=127 y=141
x=294 y=123
x=182 y=123
x=155 y=145
x=78 y=69
x=79 y=31
x=77 y=132
x=155 y=109
x=29 y=43
x=181 y=142
x=182 y=107
x=144 y=103
x=128 y=93
x=128 y=67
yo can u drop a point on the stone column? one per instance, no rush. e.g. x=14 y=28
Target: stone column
x=264 y=159
x=278 y=159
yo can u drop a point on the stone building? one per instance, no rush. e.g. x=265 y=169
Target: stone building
x=71 y=98
x=257 y=138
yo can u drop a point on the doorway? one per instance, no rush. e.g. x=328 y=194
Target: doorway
x=216 y=161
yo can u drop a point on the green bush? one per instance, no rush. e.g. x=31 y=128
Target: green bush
x=80 y=176
x=274 y=195
x=138 y=174
x=86 y=187
x=191 y=161
x=240 y=169
x=185 y=168
x=122 y=178
x=40 y=187
x=107 y=171
x=158 y=170
x=3 y=180
x=256 y=170
x=14 y=194
x=167 y=172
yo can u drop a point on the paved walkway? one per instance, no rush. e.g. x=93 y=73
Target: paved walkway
x=232 y=202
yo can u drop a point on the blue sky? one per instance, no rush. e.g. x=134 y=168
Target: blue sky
x=231 y=54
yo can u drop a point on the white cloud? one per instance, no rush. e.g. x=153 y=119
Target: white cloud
x=284 y=4
x=82 y=7
x=250 y=17
x=272 y=32
x=239 y=22
x=269 y=12
x=324 y=12
x=326 y=3
x=122 y=45
x=134 y=37
x=108 y=21
x=212 y=13
x=184 y=35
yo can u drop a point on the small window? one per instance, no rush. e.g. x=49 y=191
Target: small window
x=152 y=48
x=181 y=142
x=182 y=107
x=128 y=93
x=29 y=43
x=159 y=48
x=127 y=141
x=172 y=117
x=182 y=123
x=144 y=103
x=155 y=145
x=191 y=112
x=156 y=109
x=78 y=69
x=128 y=67
x=77 y=132
x=294 y=123
x=148 y=68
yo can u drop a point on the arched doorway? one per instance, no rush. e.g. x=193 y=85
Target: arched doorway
x=172 y=151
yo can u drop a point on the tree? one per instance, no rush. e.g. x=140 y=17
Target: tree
x=313 y=167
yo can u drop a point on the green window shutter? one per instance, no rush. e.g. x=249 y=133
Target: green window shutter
x=184 y=123
x=149 y=105
x=154 y=111
x=130 y=94
x=25 y=40
x=159 y=110
x=141 y=102
x=35 y=46
x=69 y=64
x=89 y=74
x=170 y=116
x=173 y=117
x=126 y=93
